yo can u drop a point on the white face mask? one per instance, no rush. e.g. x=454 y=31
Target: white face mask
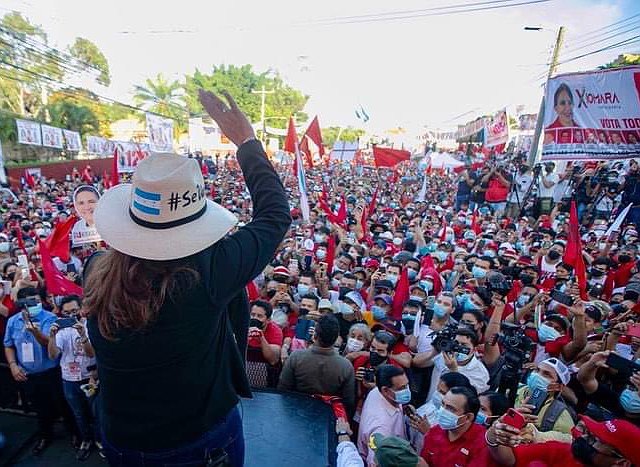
x=397 y=241
x=354 y=345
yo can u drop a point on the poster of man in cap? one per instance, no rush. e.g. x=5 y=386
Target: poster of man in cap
x=85 y=199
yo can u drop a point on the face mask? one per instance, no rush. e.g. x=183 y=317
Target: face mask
x=553 y=255
x=523 y=300
x=621 y=258
x=354 y=345
x=427 y=285
x=630 y=401
x=376 y=359
x=470 y=306
x=321 y=254
x=318 y=238
x=423 y=250
x=596 y=272
x=378 y=313
x=412 y=274
x=481 y=419
x=547 y=333
x=4 y=247
x=403 y=396
x=478 y=273
x=397 y=241
x=359 y=284
x=345 y=309
x=582 y=451
x=303 y=289
x=447 y=420
x=441 y=255
x=526 y=279
x=436 y=400
x=490 y=253
x=415 y=298
x=537 y=382
x=279 y=316
x=439 y=311
x=393 y=278
x=34 y=310
x=461 y=357
x=344 y=291
x=335 y=283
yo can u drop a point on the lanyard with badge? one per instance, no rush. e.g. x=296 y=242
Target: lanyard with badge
x=27 y=349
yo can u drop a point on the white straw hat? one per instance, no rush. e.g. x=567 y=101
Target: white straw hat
x=164 y=213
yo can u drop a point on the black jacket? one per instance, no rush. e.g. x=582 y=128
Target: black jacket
x=166 y=385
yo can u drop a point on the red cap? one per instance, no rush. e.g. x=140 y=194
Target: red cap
x=621 y=435
x=281 y=271
x=372 y=263
x=526 y=260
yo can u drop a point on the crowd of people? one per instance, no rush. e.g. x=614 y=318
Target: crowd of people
x=441 y=313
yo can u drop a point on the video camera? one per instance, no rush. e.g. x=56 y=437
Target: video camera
x=444 y=340
x=498 y=283
x=517 y=350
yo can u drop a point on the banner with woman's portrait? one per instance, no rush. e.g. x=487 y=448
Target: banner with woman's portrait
x=72 y=140
x=593 y=115
x=51 y=136
x=85 y=200
x=160 y=131
x=28 y=132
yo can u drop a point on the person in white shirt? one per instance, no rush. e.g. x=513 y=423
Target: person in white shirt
x=519 y=189
x=382 y=410
x=546 y=188
x=466 y=363
x=76 y=356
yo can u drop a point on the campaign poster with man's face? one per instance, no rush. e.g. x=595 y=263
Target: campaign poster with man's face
x=85 y=200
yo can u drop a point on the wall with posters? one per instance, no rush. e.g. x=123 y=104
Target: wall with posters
x=593 y=115
x=58 y=170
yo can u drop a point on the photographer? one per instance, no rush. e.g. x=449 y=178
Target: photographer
x=466 y=181
x=265 y=337
x=460 y=358
x=519 y=189
x=546 y=188
x=497 y=189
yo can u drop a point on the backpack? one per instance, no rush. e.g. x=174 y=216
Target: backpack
x=553 y=413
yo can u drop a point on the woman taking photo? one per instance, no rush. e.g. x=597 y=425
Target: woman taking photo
x=158 y=301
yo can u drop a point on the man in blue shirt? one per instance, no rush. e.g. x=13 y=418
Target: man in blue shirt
x=25 y=346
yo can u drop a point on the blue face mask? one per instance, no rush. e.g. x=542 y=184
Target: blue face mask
x=441 y=255
x=412 y=274
x=423 y=250
x=378 y=313
x=415 y=298
x=470 y=306
x=484 y=211
x=359 y=284
x=547 y=333
x=462 y=357
x=436 y=400
x=403 y=396
x=490 y=253
x=426 y=285
x=462 y=299
x=34 y=310
x=481 y=419
x=439 y=311
x=537 y=382
x=447 y=420
x=630 y=401
x=409 y=236
x=408 y=317
x=478 y=272
x=523 y=300
x=345 y=309
x=303 y=289
x=519 y=246
x=393 y=278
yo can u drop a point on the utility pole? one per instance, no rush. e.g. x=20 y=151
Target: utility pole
x=263 y=94
x=552 y=69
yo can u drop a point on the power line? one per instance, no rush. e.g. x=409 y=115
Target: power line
x=624 y=20
x=584 y=40
x=395 y=16
x=623 y=43
x=633 y=29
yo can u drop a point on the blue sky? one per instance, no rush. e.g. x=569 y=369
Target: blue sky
x=424 y=71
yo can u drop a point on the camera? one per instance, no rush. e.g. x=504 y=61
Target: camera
x=498 y=283
x=517 y=349
x=369 y=375
x=537 y=169
x=444 y=340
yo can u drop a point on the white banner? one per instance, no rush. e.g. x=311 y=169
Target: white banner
x=72 y=140
x=160 y=131
x=130 y=154
x=29 y=132
x=51 y=136
x=343 y=151
x=593 y=115
x=496 y=129
x=3 y=175
x=95 y=144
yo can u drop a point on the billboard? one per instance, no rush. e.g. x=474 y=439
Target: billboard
x=593 y=115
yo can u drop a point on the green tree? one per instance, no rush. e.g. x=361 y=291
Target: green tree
x=87 y=53
x=163 y=97
x=240 y=82
x=350 y=134
x=73 y=116
x=623 y=60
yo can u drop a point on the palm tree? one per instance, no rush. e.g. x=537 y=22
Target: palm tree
x=163 y=97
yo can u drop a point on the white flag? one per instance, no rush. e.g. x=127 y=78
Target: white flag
x=302 y=186
x=615 y=227
x=423 y=191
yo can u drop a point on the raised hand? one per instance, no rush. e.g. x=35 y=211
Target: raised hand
x=232 y=122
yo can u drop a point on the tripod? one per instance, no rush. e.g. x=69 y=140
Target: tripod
x=527 y=195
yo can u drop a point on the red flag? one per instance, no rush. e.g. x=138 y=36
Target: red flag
x=342 y=211
x=306 y=152
x=315 y=135
x=86 y=174
x=443 y=235
x=114 y=169
x=331 y=253
x=212 y=191
x=252 y=291
x=105 y=180
x=573 y=251
x=427 y=263
x=429 y=169
x=373 y=203
x=291 y=139
x=474 y=223
x=20 y=238
x=28 y=178
x=205 y=170
x=400 y=296
x=387 y=157
x=57 y=242
x=55 y=282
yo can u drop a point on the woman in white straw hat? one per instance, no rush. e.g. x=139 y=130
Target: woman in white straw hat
x=159 y=321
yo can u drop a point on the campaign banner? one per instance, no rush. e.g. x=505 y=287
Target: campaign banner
x=160 y=131
x=130 y=155
x=51 y=136
x=496 y=129
x=593 y=115
x=527 y=122
x=95 y=145
x=471 y=131
x=85 y=200
x=29 y=132
x=343 y=151
x=72 y=140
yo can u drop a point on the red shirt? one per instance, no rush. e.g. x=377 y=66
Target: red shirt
x=272 y=333
x=468 y=450
x=549 y=454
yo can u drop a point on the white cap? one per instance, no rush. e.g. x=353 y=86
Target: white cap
x=561 y=369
